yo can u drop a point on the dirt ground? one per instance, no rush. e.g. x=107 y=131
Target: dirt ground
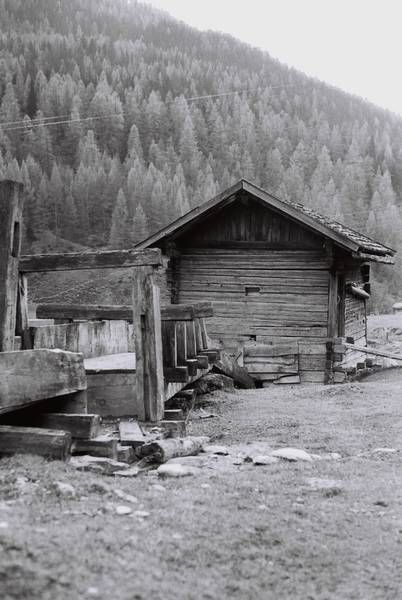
x=246 y=532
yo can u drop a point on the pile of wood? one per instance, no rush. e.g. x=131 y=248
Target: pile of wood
x=60 y=435
x=278 y=364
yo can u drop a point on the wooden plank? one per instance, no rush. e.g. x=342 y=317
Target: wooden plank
x=111 y=394
x=84 y=426
x=181 y=343
x=272 y=350
x=172 y=312
x=102 y=445
x=191 y=340
x=30 y=440
x=288 y=380
x=32 y=375
x=176 y=374
x=149 y=388
x=192 y=366
x=74 y=261
x=173 y=414
x=130 y=433
x=114 y=363
x=200 y=344
x=169 y=344
x=11 y=206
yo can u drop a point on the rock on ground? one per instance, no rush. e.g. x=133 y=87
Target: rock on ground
x=292 y=454
x=176 y=470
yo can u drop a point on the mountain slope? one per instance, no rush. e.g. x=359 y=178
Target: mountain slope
x=109 y=150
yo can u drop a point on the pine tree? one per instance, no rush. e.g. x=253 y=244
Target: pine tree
x=140 y=225
x=121 y=230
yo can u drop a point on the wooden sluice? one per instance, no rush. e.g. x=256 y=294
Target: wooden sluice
x=122 y=360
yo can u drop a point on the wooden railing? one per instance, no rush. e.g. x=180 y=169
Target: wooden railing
x=172 y=352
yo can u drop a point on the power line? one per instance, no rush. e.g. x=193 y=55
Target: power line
x=38 y=122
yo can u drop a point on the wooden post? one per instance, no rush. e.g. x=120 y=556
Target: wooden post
x=11 y=203
x=22 y=322
x=149 y=387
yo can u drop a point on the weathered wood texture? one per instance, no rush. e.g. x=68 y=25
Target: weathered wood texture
x=273 y=362
x=32 y=375
x=355 y=317
x=250 y=221
x=291 y=301
x=149 y=388
x=22 y=319
x=172 y=312
x=90 y=260
x=30 y=440
x=91 y=339
x=83 y=426
x=112 y=394
x=11 y=206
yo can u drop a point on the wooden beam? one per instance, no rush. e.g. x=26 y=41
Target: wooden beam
x=374 y=352
x=149 y=389
x=173 y=312
x=22 y=320
x=384 y=259
x=81 y=426
x=30 y=440
x=11 y=205
x=113 y=259
x=102 y=445
x=177 y=374
x=29 y=376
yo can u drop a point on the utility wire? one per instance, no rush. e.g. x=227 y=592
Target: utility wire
x=38 y=122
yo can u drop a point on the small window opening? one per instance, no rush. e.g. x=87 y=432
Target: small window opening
x=251 y=289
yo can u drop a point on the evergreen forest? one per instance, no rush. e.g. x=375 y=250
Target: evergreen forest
x=118 y=119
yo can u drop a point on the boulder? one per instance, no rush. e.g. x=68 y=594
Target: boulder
x=264 y=459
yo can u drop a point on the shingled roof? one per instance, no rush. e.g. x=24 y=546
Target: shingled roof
x=358 y=244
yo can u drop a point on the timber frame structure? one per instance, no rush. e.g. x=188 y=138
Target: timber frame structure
x=154 y=351
x=289 y=287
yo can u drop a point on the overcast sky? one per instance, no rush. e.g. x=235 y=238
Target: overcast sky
x=353 y=44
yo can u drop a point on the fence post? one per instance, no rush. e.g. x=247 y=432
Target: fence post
x=149 y=387
x=11 y=203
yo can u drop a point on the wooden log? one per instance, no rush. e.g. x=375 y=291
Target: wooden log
x=83 y=426
x=32 y=375
x=11 y=206
x=177 y=374
x=174 y=428
x=373 y=352
x=22 y=320
x=226 y=365
x=30 y=440
x=102 y=445
x=74 y=261
x=163 y=450
x=149 y=389
x=130 y=433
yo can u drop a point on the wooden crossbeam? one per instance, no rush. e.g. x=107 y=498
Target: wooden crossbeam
x=374 y=352
x=104 y=312
x=29 y=376
x=74 y=261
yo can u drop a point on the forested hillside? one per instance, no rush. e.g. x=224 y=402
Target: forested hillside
x=94 y=121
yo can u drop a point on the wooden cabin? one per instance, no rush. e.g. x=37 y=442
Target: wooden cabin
x=284 y=281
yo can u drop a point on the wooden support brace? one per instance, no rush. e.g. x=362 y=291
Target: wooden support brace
x=30 y=440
